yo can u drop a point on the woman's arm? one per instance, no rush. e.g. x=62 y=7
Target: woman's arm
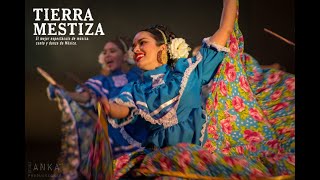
x=114 y=110
x=82 y=97
x=228 y=17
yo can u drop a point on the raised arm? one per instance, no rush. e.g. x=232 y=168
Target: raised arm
x=228 y=18
x=80 y=97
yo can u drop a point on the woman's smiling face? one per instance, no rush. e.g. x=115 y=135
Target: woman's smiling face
x=113 y=56
x=145 y=50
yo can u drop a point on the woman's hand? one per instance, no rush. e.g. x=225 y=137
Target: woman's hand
x=114 y=110
x=105 y=104
x=51 y=91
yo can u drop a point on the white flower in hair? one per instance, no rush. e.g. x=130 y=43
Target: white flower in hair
x=101 y=58
x=178 y=48
x=130 y=59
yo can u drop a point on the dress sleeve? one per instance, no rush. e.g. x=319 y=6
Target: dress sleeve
x=125 y=98
x=97 y=90
x=207 y=60
x=96 y=85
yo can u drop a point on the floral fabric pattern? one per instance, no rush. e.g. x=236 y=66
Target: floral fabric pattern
x=251 y=111
x=77 y=135
x=190 y=161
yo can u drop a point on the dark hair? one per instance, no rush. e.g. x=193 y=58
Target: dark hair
x=157 y=35
x=122 y=42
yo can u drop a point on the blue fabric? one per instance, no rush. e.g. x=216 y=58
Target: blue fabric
x=52 y=93
x=134 y=74
x=111 y=85
x=169 y=99
x=108 y=86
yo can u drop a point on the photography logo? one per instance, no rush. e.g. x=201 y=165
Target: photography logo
x=43 y=169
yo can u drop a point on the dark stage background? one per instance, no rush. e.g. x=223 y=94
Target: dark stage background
x=190 y=20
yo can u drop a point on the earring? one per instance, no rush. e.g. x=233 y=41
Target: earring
x=162 y=57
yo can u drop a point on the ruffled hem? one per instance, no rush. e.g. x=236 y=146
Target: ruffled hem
x=215 y=45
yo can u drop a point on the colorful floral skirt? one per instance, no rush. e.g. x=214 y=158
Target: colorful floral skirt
x=252 y=111
x=189 y=161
